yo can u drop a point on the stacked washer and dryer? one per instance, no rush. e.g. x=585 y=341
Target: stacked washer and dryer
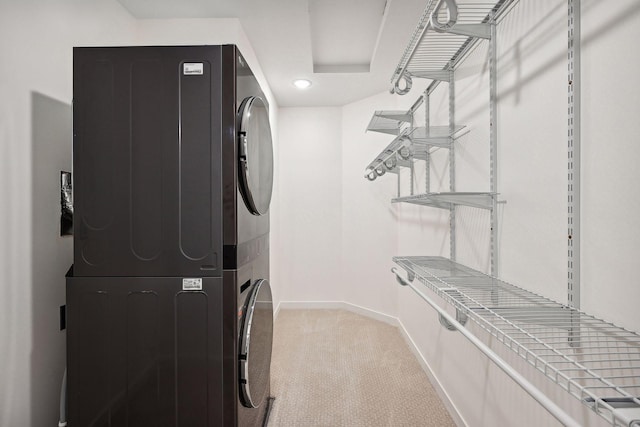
x=169 y=310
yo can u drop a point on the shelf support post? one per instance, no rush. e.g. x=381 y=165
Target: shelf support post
x=573 y=165
x=412 y=172
x=427 y=122
x=452 y=162
x=493 y=145
x=573 y=210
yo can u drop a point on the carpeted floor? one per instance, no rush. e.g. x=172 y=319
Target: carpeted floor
x=337 y=368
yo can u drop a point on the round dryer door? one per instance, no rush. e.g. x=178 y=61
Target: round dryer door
x=255 y=345
x=255 y=152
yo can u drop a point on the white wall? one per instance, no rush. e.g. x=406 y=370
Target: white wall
x=36 y=40
x=610 y=153
x=338 y=230
x=310 y=204
x=368 y=218
x=533 y=147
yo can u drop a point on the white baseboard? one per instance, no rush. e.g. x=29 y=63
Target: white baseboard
x=446 y=400
x=338 y=305
x=391 y=320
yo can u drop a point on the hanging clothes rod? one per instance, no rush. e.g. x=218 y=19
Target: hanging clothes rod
x=532 y=390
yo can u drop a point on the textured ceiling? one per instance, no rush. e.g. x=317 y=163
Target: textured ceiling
x=344 y=34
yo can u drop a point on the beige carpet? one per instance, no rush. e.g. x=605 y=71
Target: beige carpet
x=336 y=368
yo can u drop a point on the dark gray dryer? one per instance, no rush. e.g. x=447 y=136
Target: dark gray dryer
x=169 y=315
x=247 y=170
x=248 y=184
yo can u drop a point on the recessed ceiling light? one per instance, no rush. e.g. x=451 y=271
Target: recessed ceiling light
x=302 y=83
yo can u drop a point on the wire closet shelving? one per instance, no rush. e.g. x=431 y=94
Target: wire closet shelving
x=435 y=48
x=410 y=142
x=595 y=361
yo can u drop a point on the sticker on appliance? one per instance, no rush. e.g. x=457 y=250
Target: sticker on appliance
x=193 y=68
x=191 y=284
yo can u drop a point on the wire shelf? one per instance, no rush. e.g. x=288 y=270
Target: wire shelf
x=434 y=136
x=450 y=199
x=391 y=122
x=431 y=52
x=595 y=361
x=410 y=143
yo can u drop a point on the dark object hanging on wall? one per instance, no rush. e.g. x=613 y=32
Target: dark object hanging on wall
x=66 y=204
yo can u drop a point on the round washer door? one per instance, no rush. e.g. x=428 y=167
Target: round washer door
x=255 y=345
x=255 y=153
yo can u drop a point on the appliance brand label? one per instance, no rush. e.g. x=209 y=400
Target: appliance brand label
x=191 y=284
x=193 y=68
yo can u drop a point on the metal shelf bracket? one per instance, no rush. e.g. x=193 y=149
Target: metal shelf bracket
x=441 y=76
x=482 y=31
